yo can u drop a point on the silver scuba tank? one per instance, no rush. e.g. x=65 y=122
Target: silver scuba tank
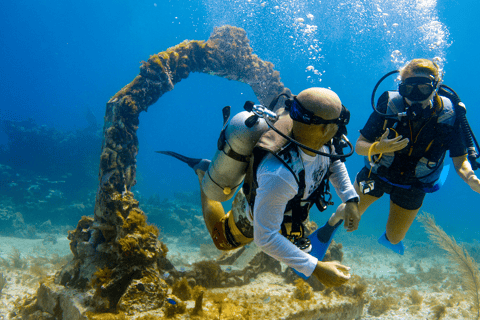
x=228 y=167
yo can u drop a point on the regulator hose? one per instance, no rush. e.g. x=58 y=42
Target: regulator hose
x=468 y=136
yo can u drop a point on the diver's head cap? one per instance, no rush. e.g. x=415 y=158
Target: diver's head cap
x=323 y=102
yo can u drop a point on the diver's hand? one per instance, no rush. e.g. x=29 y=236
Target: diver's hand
x=351 y=216
x=386 y=145
x=331 y=273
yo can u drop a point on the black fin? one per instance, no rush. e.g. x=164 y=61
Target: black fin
x=192 y=162
x=226 y=114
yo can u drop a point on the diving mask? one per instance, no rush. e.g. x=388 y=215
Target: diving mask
x=301 y=114
x=417 y=88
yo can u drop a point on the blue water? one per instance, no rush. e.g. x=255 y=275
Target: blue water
x=60 y=59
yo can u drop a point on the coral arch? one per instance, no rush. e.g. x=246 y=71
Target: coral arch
x=117 y=248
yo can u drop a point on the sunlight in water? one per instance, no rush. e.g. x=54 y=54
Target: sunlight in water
x=310 y=33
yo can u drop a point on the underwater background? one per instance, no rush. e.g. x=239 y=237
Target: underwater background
x=61 y=61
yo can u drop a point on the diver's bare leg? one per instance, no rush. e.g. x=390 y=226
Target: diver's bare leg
x=399 y=221
x=213 y=211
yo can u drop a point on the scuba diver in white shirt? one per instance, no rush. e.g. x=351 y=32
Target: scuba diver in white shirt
x=285 y=160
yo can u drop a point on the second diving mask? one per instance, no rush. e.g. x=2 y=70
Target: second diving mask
x=417 y=88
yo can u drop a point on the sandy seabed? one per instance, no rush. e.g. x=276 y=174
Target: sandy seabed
x=422 y=284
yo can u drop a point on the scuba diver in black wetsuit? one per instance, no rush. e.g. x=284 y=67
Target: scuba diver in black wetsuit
x=404 y=143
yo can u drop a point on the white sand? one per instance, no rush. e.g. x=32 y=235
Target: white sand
x=377 y=266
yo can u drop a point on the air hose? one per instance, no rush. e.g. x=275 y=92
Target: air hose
x=468 y=136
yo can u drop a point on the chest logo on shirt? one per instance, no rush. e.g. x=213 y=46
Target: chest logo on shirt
x=317 y=177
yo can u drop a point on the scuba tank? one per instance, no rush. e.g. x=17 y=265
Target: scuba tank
x=234 y=148
x=239 y=137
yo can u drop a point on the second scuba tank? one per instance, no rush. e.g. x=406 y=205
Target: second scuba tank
x=235 y=146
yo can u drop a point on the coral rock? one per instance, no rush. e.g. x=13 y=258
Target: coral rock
x=143 y=294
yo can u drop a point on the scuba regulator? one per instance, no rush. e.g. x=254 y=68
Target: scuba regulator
x=413 y=112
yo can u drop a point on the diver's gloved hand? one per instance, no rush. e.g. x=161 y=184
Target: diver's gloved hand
x=320 y=240
x=331 y=273
x=386 y=145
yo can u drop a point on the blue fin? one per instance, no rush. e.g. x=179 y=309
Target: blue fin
x=397 y=248
x=444 y=175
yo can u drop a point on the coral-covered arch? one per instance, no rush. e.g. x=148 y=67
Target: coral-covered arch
x=227 y=54
x=116 y=248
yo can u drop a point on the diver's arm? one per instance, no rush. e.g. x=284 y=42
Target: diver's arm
x=464 y=171
x=348 y=211
x=276 y=186
x=341 y=181
x=384 y=145
x=268 y=216
x=362 y=146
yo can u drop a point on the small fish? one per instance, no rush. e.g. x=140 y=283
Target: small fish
x=171 y=301
x=228 y=269
x=166 y=275
x=266 y=300
x=182 y=269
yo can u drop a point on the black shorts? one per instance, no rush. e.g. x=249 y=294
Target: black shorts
x=410 y=199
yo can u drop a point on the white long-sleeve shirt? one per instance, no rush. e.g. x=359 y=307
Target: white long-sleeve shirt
x=276 y=187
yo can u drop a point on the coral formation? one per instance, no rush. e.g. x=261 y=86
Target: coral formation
x=182 y=289
x=16 y=259
x=355 y=288
x=458 y=255
x=208 y=274
x=3 y=282
x=198 y=294
x=174 y=306
x=334 y=252
x=303 y=291
x=415 y=297
x=378 y=307
x=118 y=241
x=439 y=311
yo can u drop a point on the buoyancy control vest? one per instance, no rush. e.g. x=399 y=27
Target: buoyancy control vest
x=421 y=162
x=287 y=153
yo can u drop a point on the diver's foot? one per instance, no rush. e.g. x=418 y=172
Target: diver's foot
x=397 y=248
x=194 y=163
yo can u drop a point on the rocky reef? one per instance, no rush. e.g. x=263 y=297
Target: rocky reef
x=46 y=175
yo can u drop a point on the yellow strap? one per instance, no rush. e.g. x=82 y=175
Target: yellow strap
x=396 y=133
x=370 y=151
x=429 y=145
